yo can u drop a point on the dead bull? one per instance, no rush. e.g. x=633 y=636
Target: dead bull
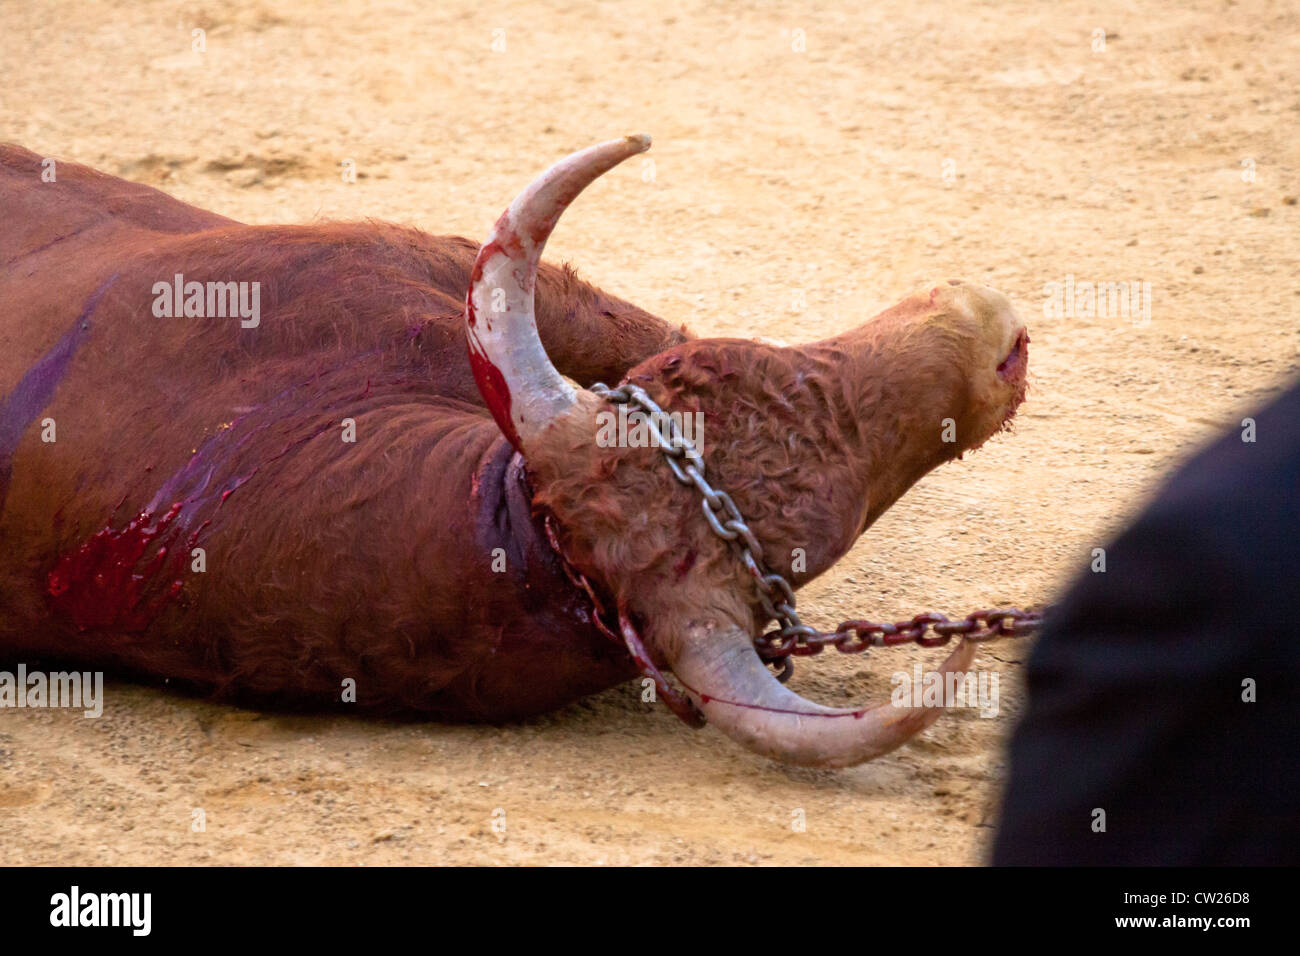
x=338 y=493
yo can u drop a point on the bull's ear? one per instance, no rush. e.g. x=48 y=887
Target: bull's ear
x=521 y=387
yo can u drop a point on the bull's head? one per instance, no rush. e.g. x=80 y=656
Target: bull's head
x=812 y=442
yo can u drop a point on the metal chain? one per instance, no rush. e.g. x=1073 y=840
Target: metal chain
x=774 y=591
x=854 y=637
x=793 y=637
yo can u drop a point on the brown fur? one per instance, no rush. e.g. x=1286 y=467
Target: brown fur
x=369 y=560
x=373 y=560
x=812 y=443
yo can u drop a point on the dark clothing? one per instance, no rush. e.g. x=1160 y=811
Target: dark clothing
x=1136 y=685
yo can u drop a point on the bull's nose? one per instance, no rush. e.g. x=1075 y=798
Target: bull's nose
x=1017 y=359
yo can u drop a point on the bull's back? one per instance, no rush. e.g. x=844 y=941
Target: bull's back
x=44 y=201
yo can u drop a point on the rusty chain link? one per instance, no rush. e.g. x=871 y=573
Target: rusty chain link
x=854 y=637
x=793 y=638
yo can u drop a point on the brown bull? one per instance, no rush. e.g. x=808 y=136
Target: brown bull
x=300 y=481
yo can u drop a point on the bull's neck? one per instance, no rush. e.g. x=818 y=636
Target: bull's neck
x=504 y=504
x=894 y=419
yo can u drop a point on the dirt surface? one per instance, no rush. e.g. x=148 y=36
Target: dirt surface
x=842 y=154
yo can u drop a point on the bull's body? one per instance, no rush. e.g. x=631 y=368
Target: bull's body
x=339 y=490
x=326 y=560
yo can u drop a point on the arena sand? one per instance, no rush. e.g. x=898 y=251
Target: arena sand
x=812 y=165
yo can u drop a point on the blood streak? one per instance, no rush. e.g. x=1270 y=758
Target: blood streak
x=492 y=383
x=121 y=578
x=683 y=567
x=105 y=585
x=683 y=707
x=496 y=392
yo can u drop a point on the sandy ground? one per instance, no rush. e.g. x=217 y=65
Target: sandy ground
x=842 y=153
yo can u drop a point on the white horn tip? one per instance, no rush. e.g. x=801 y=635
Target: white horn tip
x=640 y=140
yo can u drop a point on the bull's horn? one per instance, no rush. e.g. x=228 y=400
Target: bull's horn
x=517 y=380
x=741 y=697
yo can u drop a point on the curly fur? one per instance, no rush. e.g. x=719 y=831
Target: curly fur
x=812 y=443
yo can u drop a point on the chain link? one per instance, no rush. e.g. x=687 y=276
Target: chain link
x=774 y=592
x=793 y=638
